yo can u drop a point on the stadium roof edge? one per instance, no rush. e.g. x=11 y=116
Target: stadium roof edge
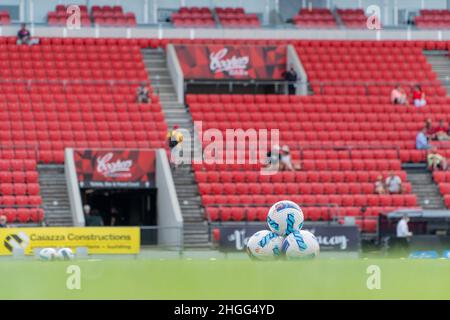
x=208 y=33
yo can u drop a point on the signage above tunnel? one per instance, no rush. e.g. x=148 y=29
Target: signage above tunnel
x=225 y=62
x=115 y=168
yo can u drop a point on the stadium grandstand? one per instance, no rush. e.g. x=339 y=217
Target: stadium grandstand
x=93 y=92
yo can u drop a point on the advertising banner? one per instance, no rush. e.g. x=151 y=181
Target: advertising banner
x=104 y=240
x=216 y=62
x=115 y=168
x=331 y=238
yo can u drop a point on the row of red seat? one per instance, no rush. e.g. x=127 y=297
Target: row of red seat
x=58 y=55
x=83 y=75
x=259 y=213
x=18 y=200
x=10 y=162
x=357 y=200
x=117 y=49
x=294 y=176
x=155 y=43
x=100 y=15
x=193 y=17
x=313 y=188
x=78 y=115
x=313 y=165
x=9 y=189
x=19 y=177
x=291 y=118
x=356 y=57
x=433 y=19
x=66 y=129
x=349 y=65
x=307 y=111
x=76 y=102
x=333 y=130
x=84 y=135
x=319 y=100
x=23 y=215
x=203 y=17
x=353 y=18
x=37 y=101
x=362 y=49
x=315 y=18
x=237 y=18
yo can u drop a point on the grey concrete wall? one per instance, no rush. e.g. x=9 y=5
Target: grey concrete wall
x=291 y=33
x=176 y=73
x=73 y=189
x=169 y=217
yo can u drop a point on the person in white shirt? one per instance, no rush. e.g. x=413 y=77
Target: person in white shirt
x=402 y=228
x=286 y=160
x=394 y=184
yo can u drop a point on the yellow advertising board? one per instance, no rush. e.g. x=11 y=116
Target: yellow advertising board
x=98 y=240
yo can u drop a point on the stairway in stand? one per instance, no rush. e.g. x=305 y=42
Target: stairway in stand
x=440 y=61
x=55 y=196
x=423 y=186
x=196 y=228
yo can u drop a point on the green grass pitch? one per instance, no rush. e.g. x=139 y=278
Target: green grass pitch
x=226 y=279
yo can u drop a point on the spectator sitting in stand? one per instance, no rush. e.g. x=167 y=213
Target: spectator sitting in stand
x=273 y=158
x=286 y=159
x=394 y=184
x=3 y=222
x=430 y=130
x=422 y=140
x=436 y=161
x=441 y=132
x=419 y=97
x=380 y=188
x=24 y=36
x=398 y=96
x=143 y=93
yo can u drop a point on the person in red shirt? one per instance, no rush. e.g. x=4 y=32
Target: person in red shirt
x=441 y=131
x=419 y=97
x=430 y=130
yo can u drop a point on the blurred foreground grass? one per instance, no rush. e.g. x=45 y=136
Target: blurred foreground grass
x=226 y=279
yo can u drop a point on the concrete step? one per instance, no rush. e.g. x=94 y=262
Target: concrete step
x=427 y=192
x=54 y=195
x=441 y=65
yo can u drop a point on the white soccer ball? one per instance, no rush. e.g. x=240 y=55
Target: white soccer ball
x=300 y=245
x=264 y=245
x=65 y=254
x=47 y=254
x=285 y=217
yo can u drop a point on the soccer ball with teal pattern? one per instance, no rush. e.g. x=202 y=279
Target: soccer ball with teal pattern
x=300 y=245
x=65 y=254
x=264 y=245
x=285 y=217
x=47 y=254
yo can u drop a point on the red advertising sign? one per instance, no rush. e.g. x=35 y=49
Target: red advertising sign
x=232 y=62
x=115 y=168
